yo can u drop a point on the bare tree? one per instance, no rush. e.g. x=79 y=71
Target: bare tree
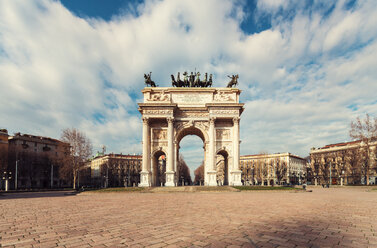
x=80 y=151
x=199 y=174
x=324 y=168
x=365 y=131
x=280 y=169
x=183 y=170
x=261 y=171
x=341 y=165
x=353 y=168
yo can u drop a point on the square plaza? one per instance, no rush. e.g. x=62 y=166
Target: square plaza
x=335 y=217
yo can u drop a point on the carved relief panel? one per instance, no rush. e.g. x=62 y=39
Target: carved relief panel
x=159 y=134
x=222 y=134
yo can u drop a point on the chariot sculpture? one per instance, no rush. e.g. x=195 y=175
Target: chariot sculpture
x=191 y=80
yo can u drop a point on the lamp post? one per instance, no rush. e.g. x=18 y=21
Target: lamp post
x=6 y=177
x=51 y=176
x=342 y=178
x=16 y=176
x=330 y=174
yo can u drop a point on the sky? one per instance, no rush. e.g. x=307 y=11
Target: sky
x=306 y=68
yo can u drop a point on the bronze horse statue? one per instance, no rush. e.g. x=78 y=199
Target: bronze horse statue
x=148 y=80
x=178 y=82
x=191 y=80
x=233 y=81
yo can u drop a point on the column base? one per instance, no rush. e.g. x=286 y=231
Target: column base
x=211 y=178
x=170 y=176
x=236 y=178
x=145 y=179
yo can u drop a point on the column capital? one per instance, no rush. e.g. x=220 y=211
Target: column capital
x=236 y=120
x=145 y=120
x=212 y=120
x=170 y=120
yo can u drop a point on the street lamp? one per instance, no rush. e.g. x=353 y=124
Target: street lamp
x=330 y=174
x=6 y=177
x=16 y=176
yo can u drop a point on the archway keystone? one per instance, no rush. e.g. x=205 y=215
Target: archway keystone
x=169 y=114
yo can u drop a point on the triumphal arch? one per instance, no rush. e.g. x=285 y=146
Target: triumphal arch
x=170 y=113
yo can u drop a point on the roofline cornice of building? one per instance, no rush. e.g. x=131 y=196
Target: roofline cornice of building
x=114 y=155
x=31 y=137
x=270 y=155
x=341 y=146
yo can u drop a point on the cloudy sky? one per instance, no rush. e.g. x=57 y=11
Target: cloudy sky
x=306 y=68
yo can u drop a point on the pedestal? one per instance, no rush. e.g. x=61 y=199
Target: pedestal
x=170 y=179
x=236 y=178
x=145 y=179
x=211 y=178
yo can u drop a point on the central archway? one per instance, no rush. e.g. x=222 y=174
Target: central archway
x=198 y=142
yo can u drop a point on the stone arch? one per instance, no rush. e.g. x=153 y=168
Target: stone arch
x=158 y=174
x=190 y=130
x=222 y=170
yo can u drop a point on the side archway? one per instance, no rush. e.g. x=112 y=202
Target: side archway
x=222 y=167
x=158 y=167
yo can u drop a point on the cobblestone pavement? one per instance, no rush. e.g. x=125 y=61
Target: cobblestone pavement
x=335 y=217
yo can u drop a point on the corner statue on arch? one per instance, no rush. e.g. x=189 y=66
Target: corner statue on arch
x=171 y=113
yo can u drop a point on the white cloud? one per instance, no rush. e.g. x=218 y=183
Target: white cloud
x=304 y=79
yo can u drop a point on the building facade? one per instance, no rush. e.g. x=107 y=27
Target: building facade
x=35 y=161
x=344 y=163
x=115 y=170
x=269 y=169
x=3 y=149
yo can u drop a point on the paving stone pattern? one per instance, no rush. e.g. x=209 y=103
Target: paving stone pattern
x=335 y=217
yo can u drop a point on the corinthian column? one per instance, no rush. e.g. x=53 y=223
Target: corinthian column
x=170 y=163
x=145 y=173
x=236 y=143
x=211 y=173
x=236 y=173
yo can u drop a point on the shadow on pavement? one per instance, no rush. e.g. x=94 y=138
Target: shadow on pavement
x=315 y=234
x=19 y=195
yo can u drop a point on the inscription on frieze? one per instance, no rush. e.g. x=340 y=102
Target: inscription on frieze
x=192 y=98
x=191 y=114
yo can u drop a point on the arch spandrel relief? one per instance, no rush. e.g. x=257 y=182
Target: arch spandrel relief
x=172 y=113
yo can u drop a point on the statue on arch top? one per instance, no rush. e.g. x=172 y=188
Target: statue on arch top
x=233 y=81
x=148 y=80
x=191 y=80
